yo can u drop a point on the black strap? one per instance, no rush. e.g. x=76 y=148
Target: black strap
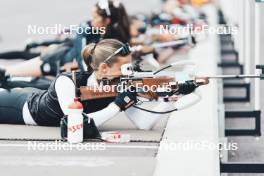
x=155 y=112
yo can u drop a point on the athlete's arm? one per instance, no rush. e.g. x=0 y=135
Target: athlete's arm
x=146 y=120
x=65 y=90
x=100 y=117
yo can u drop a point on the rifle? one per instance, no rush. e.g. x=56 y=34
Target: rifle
x=150 y=79
x=141 y=83
x=166 y=88
x=163 y=86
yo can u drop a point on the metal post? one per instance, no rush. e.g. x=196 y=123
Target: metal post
x=257 y=53
x=242 y=31
x=248 y=32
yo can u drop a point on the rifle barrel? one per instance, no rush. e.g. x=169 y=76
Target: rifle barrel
x=232 y=76
x=169 y=44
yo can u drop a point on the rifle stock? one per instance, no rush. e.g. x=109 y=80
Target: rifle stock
x=92 y=92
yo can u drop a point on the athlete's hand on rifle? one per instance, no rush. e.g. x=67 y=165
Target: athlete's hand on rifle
x=142 y=50
x=189 y=86
x=126 y=99
x=202 y=80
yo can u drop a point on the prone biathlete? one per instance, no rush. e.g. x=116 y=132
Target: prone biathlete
x=110 y=16
x=32 y=106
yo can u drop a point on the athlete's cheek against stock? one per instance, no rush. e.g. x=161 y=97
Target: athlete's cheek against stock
x=115 y=69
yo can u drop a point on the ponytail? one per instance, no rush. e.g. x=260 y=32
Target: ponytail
x=87 y=54
x=95 y=54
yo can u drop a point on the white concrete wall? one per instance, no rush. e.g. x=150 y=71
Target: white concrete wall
x=197 y=124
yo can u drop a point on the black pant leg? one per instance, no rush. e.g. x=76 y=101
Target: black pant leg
x=11 y=105
x=18 y=55
x=39 y=83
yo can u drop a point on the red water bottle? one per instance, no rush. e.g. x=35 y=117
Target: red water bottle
x=75 y=122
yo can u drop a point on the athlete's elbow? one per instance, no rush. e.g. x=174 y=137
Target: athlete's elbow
x=142 y=125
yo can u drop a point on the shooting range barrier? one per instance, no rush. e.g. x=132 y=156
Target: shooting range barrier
x=244 y=62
